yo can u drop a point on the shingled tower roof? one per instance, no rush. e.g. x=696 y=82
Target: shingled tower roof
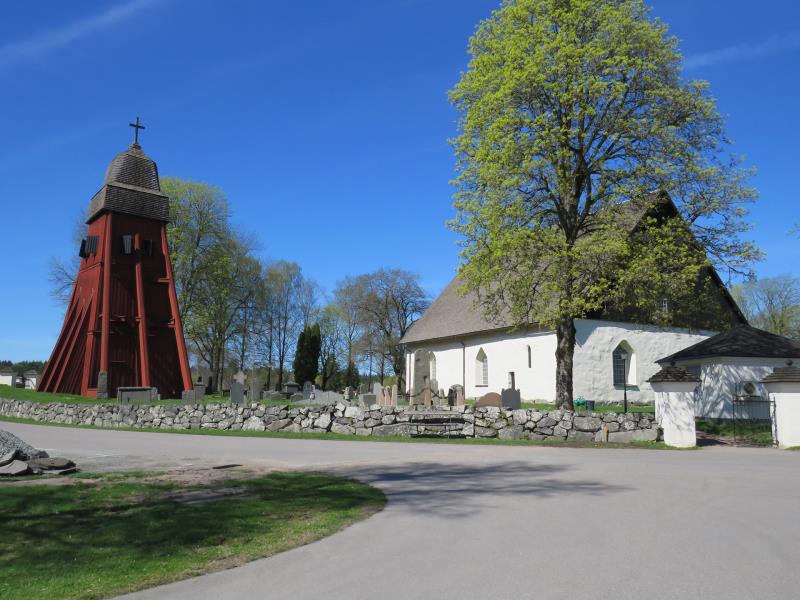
x=131 y=187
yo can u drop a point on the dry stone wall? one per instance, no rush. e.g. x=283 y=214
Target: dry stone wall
x=462 y=421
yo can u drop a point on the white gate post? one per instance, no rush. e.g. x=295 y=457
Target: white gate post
x=783 y=386
x=674 y=388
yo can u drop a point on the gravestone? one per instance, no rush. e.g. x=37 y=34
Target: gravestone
x=290 y=387
x=327 y=398
x=368 y=399
x=393 y=392
x=237 y=393
x=459 y=390
x=308 y=391
x=136 y=395
x=490 y=399
x=422 y=371
x=348 y=393
x=451 y=397
x=240 y=377
x=195 y=395
x=296 y=397
x=199 y=392
x=426 y=395
x=102 y=385
x=254 y=393
x=510 y=399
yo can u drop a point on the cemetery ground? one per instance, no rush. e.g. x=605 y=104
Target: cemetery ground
x=496 y=521
x=96 y=535
x=34 y=396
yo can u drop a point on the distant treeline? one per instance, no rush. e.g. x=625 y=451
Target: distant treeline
x=23 y=365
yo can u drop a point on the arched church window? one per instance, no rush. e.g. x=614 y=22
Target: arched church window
x=624 y=365
x=481 y=368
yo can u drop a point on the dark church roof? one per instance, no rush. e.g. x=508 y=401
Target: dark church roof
x=131 y=186
x=671 y=373
x=743 y=341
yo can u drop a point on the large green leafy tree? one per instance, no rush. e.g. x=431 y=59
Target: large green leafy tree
x=213 y=269
x=572 y=112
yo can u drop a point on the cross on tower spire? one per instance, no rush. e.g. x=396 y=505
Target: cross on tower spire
x=136 y=127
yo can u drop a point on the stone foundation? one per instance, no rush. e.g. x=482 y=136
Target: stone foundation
x=466 y=421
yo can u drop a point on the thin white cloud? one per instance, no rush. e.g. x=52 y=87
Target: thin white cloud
x=53 y=39
x=773 y=45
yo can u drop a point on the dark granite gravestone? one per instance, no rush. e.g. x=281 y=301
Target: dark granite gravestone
x=510 y=399
x=237 y=393
x=136 y=395
x=490 y=399
x=368 y=399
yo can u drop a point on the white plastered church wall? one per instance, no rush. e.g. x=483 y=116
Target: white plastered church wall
x=592 y=369
x=506 y=353
x=593 y=366
x=721 y=378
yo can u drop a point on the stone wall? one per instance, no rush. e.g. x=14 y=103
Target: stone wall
x=463 y=421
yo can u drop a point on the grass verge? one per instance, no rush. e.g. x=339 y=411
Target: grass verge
x=338 y=437
x=10 y=393
x=104 y=536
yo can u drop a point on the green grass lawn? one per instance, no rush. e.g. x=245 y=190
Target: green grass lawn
x=107 y=535
x=11 y=393
x=757 y=432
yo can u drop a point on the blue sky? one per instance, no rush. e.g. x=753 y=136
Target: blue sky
x=325 y=122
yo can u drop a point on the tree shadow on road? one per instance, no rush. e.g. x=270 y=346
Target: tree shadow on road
x=458 y=490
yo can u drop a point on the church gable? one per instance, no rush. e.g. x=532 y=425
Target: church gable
x=456 y=315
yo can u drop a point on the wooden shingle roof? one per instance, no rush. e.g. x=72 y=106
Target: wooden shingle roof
x=131 y=186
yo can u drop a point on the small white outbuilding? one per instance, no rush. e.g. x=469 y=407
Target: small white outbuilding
x=732 y=365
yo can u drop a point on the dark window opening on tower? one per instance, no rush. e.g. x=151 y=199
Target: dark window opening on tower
x=127 y=244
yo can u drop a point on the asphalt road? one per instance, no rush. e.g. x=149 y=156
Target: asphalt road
x=503 y=521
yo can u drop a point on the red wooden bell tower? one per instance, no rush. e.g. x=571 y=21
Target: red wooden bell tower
x=123 y=326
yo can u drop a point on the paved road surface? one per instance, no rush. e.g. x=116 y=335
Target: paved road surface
x=503 y=521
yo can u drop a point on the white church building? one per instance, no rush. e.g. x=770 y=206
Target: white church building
x=453 y=344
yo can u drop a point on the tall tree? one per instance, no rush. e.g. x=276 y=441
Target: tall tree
x=306 y=357
x=331 y=349
x=772 y=303
x=571 y=112
x=351 y=377
x=199 y=224
x=285 y=281
x=388 y=302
